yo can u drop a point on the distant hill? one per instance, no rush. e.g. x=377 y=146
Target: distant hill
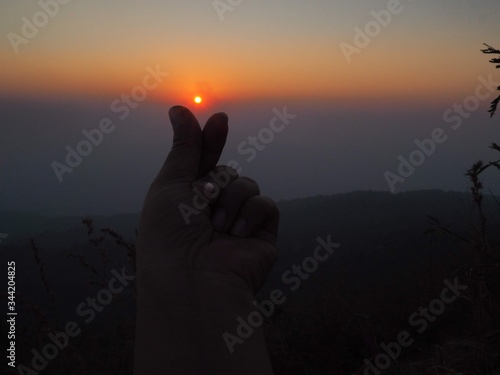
x=361 y=207
x=378 y=232
x=27 y=224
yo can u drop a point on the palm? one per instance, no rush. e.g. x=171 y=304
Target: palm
x=250 y=259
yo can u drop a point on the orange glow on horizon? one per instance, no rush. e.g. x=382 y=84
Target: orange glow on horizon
x=326 y=79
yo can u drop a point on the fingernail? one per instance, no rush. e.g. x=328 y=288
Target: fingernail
x=210 y=190
x=239 y=227
x=219 y=219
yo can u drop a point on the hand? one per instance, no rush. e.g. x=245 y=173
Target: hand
x=207 y=241
x=226 y=228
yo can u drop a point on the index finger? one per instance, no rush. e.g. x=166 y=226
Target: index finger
x=214 y=140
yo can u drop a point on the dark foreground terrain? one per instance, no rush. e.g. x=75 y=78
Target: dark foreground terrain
x=411 y=285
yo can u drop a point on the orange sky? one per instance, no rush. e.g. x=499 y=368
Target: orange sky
x=257 y=51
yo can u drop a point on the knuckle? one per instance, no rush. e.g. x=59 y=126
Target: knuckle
x=226 y=169
x=249 y=184
x=269 y=204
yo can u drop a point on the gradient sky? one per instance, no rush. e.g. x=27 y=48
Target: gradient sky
x=353 y=119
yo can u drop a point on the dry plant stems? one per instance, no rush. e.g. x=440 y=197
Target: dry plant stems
x=48 y=290
x=482 y=272
x=495 y=60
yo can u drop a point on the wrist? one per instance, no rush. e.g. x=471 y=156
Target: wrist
x=195 y=311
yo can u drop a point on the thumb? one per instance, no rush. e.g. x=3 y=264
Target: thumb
x=183 y=159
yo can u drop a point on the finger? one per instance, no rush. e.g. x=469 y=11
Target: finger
x=214 y=139
x=210 y=187
x=183 y=159
x=230 y=200
x=258 y=217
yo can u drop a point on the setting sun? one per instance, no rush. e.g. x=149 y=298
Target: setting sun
x=198 y=100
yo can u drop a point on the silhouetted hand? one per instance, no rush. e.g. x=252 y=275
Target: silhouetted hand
x=207 y=242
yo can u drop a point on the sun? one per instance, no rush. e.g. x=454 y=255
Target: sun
x=198 y=99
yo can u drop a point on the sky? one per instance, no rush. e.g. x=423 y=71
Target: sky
x=380 y=95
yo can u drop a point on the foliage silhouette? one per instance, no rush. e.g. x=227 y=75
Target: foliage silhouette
x=495 y=60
